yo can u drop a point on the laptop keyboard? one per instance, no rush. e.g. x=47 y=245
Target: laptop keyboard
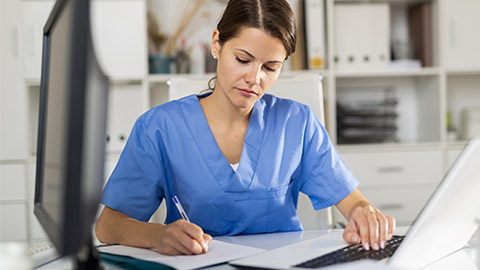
x=353 y=253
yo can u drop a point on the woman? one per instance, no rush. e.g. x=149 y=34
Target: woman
x=236 y=157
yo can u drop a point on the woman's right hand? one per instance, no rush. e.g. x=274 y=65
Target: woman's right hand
x=183 y=238
x=178 y=238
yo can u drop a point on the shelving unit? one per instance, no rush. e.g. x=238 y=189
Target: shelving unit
x=416 y=163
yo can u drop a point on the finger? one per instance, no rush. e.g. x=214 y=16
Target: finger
x=391 y=227
x=196 y=233
x=373 y=226
x=180 y=237
x=363 y=230
x=207 y=239
x=350 y=234
x=190 y=244
x=382 y=229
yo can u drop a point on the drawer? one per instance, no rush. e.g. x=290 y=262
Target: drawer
x=386 y=168
x=13 y=222
x=13 y=182
x=404 y=204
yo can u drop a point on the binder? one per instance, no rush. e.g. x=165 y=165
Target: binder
x=420 y=28
x=314 y=13
x=362 y=36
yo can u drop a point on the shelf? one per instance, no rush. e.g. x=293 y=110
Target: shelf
x=456 y=145
x=162 y=78
x=379 y=1
x=420 y=72
x=462 y=71
x=381 y=147
x=32 y=82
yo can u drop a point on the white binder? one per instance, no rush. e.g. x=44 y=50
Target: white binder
x=314 y=11
x=362 y=36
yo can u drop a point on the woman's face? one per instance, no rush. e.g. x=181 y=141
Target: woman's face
x=248 y=65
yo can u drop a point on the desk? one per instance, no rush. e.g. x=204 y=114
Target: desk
x=462 y=259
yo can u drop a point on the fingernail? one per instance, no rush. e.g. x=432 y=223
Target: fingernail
x=354 y=239
x=375 y=246
x=382 y=244
x=366 y=246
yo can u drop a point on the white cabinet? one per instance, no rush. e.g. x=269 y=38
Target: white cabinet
x=35 y=15
x=402 y=203
x=398 y=183
x=14 y=222
x=126 y=104
x=13 y=107
x=389 y=169
x=13 y=186
x=461 y=23
x=119 y=32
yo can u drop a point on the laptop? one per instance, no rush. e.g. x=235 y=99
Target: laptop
x=446 y=223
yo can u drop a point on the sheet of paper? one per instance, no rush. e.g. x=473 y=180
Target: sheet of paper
x=218 y=252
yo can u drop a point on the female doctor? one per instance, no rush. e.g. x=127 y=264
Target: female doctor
x=236 y=157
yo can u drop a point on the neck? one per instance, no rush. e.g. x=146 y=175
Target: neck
x=217 y=106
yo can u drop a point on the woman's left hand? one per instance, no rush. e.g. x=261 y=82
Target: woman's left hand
x=369 y=226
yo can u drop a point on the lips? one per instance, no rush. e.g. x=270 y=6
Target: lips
x=247 y=91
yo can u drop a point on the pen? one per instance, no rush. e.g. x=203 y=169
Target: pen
x=185 y=217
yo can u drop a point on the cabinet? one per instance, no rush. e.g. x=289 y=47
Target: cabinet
x=119 y=35
x=398 y=182
x=13 y=107
x=460 y=23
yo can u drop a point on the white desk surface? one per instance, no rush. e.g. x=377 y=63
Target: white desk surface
x=463 y=259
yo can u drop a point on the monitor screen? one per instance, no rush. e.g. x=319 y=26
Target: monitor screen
x=72 y=129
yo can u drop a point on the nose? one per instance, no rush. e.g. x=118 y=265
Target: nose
x=252 y=77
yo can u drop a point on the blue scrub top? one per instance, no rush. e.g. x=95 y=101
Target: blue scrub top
x=172 y=151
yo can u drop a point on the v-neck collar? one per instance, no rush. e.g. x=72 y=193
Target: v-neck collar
x=219 y=166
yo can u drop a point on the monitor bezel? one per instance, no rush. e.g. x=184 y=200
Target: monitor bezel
x=68 y=233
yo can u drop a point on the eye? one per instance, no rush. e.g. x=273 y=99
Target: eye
x=267 y=68
x=241 y=60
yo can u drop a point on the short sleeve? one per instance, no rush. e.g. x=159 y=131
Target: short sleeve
x=325 y=177
x=135 y=187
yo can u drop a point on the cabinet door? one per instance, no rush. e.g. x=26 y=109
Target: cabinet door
x=462 y=40
x=126 y=104
x=13 y=109
x=35 y=15
x=120 y=37
x=404 y=204
x=13 y=182
x=396 y=168
x=14 y=222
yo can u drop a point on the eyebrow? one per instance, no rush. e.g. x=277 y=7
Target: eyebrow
x=251 y=55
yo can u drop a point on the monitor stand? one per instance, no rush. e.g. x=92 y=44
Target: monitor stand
x=88 y=257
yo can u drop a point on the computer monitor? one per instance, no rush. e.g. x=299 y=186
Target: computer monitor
x=72 y=129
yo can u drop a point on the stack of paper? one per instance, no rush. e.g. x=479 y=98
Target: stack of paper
x=218 y=252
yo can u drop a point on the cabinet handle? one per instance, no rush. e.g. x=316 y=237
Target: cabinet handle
x=391 y=206
x=390 y=169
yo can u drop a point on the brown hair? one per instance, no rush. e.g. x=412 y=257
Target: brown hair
x=275 y=17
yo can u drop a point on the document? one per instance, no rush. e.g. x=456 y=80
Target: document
x=218 y=252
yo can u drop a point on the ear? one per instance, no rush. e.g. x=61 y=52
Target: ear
x=215 y=47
